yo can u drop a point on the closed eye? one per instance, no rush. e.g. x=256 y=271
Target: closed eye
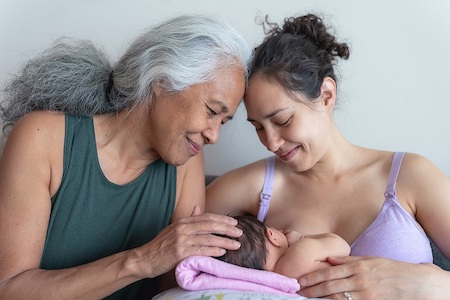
x=257 y=126
x=211 y=112
x=286 y=123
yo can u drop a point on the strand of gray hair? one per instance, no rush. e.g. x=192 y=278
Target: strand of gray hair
x=75 y=77
x=70 y=76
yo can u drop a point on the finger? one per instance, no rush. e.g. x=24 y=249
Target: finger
x=214 y=241
x=337 y=260
x=344 y=296
x=210 y=223
x=179 y=245
x=348 y=295
x=331 y=289
x=206 y=227
x=210 y=217
x=207 y=245
x=328 y=274
x=204 y=232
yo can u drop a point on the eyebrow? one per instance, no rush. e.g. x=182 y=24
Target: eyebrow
x=268 y=115
x=223 y=108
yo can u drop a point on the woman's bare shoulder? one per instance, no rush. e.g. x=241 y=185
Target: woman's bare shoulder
x=35 y=146
x=245 y=174
x=38 y=127
x=237 y=190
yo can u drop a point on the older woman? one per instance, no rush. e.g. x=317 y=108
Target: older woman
x=86 y=196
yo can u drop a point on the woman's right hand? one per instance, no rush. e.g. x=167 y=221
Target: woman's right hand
x=193 y=235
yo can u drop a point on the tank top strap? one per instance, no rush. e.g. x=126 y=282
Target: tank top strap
x=395 y=169
x=266 y=193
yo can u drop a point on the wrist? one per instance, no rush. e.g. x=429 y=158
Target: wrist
x=131 y=266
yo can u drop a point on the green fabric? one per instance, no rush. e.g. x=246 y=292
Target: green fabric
x=92 y=217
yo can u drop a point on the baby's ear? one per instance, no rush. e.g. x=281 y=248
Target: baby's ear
x=271 y=237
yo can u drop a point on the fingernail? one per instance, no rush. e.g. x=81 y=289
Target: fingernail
x=303 y=282
x=237 y=244
x=233 y=221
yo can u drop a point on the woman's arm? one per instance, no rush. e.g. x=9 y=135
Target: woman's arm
x=429 y=191
x=190 y=187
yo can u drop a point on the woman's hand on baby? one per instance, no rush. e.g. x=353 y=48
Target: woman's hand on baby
x=193 y=235
x=373 y=278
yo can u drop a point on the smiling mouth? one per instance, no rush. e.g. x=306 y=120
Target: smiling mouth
x=196 y=148
x=287 y=155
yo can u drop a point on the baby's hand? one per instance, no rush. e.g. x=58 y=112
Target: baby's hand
x=292 y=236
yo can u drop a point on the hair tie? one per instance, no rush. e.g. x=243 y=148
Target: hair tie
x=110 y=85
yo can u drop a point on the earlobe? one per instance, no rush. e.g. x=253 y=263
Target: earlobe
x=328 y=92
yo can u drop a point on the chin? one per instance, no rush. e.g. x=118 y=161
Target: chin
x=298 y=166
x=177 y=161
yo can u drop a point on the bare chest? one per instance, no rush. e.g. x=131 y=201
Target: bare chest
x=345 y=208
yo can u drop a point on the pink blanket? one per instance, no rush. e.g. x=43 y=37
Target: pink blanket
x=205 y=273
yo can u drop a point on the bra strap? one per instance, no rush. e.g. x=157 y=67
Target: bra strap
x=266 y=193
x=395 y=169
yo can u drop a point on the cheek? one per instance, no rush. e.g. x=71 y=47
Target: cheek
x=311 y=127
x=194 y=123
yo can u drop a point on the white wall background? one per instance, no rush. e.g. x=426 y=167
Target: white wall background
x=394 y=91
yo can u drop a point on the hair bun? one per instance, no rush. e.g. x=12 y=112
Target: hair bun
x=312 y=28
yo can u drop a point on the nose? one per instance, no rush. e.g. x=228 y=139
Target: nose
x=211 y=134
x=272 y=140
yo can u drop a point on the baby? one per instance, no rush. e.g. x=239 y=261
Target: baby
x=287 y=253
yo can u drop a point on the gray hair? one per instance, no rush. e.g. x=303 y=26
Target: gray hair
x=75 y=77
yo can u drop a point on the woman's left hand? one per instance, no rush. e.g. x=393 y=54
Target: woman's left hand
x=376 y=278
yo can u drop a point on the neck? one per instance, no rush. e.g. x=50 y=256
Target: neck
x=121 y=137
x=340 y=157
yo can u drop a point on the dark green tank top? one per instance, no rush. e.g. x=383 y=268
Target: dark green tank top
x=92 y=217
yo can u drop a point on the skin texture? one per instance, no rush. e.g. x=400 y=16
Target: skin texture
x=294 y=255
x=175 y=128
x=324 y=183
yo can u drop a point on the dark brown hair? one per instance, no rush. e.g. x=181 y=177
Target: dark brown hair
x=253 y=250
x=298 y=55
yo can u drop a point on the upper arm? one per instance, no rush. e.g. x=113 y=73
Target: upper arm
x=236 y=191
x=26 y=172
x=190 y=187
x=430 y=193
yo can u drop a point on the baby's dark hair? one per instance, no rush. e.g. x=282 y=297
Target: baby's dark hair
x=253 y=250
x=299 y=55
